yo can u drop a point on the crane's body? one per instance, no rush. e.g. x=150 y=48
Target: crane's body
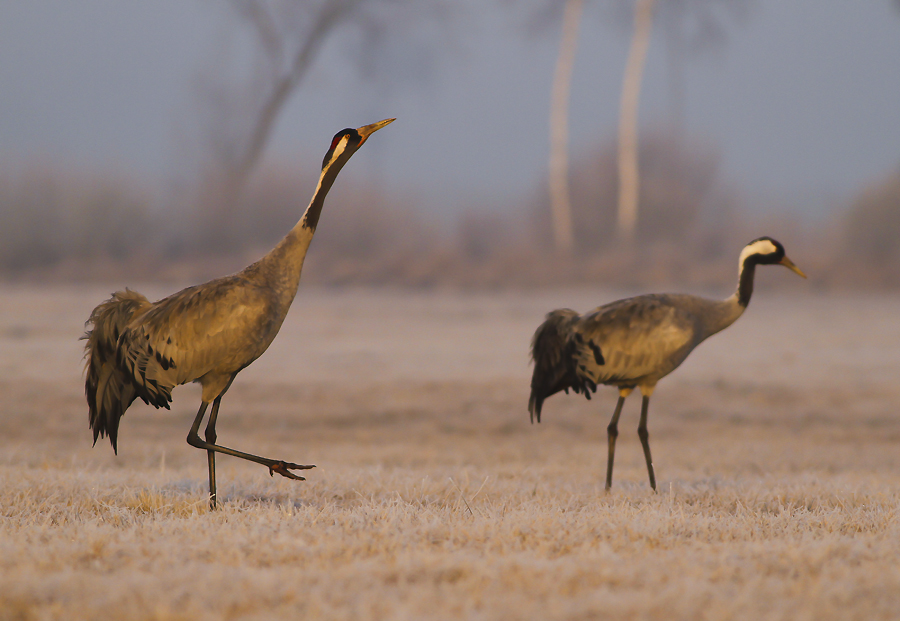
x=635 y=342
x=206 y=333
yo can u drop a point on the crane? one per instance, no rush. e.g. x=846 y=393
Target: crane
x=635 y=342
x=206 y=333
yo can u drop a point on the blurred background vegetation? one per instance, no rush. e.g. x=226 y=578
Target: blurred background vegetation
x=62 y=222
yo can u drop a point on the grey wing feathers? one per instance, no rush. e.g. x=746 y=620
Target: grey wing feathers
x=108 y=388
x=630 y=342
x=636 y=340
x=147 y=352
x=195 y=331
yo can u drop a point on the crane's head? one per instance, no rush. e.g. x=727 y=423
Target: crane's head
x=347 y=141
x=767 y=251
x=343 y=145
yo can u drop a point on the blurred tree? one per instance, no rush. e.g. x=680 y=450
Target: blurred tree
x=560 y=202
x=48 y=216
x=286 y=47
x=689 y=26
x=679 y=180
x=629 y=172
x=873 y=223
x=684 y=199
x=285 y=38
x=693 y=27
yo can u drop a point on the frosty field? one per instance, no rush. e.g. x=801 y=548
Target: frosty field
x=776 y=446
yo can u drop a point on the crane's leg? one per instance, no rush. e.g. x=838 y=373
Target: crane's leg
x=274 y=465
x=210 y=454
x=612 y=432
x=645 y=440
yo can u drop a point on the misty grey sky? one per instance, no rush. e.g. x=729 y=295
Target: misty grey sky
x=803 y=101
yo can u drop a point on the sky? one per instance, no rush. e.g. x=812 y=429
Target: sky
x=801 y=102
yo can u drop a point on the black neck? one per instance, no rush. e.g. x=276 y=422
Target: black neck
x=745 y=282
x=329 y=174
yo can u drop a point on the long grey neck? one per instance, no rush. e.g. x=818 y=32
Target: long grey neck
x=281 y=267
x=726 y=312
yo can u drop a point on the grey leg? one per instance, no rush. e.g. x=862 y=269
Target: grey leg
x=210 y=454
x=612 y=432
x=275 y=465
x=645 y=440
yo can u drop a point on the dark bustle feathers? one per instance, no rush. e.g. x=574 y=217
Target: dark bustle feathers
x=552 y=371
x=108 y=389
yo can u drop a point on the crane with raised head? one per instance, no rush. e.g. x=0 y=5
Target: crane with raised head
x=635 y=342
x=206 y=333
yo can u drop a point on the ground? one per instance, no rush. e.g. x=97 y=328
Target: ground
x=775 y=446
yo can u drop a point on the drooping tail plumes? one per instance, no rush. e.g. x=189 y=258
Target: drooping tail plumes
x=552 y=371
x=109 y=390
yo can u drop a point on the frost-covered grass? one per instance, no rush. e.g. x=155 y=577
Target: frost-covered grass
x=409 y=543
x=435 y=499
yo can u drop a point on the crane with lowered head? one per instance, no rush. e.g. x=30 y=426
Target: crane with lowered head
x=635 y=342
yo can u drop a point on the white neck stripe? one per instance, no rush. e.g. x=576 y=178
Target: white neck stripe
x=339 y=148
x=761 y=247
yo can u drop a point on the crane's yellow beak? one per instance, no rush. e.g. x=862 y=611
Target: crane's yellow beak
x=367 y=130
x=790 y=265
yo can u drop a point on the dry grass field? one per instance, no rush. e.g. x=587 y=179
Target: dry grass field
x=777 y=448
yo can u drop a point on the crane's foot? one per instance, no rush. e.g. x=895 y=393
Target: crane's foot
x=284 y=469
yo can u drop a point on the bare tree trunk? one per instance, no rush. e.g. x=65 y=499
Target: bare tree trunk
x=283 y=65
x=677 y=107
x=560 y=203
x=629 y=176
x=283 y=86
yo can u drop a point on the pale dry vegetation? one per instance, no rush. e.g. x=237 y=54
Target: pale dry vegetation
x=775 y=445
x=64 y=226
x=873 y=231
x=49 y=216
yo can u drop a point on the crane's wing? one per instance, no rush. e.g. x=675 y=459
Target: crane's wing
x=220 y=326
x=632 y=340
